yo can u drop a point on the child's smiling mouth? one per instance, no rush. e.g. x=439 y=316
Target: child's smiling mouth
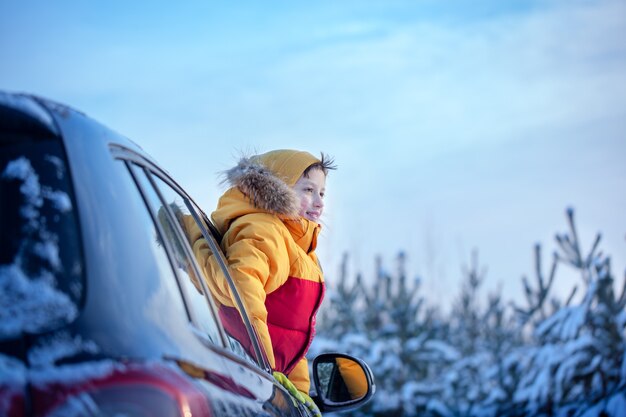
x=313 y=214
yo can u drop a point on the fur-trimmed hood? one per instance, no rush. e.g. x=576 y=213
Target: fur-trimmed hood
x=265 y=190
x=254 y=189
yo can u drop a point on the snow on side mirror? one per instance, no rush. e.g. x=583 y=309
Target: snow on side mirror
x=342 y=382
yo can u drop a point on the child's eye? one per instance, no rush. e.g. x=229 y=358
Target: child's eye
x=322 y=194
x=308 y=190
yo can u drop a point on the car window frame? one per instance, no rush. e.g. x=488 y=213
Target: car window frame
x=195 y=316
x=128 y=156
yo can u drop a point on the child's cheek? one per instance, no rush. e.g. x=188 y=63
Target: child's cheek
x=304 y=205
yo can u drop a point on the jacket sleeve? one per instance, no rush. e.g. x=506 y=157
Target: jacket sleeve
x=259 y=262
x=215 y=279
x=299 y=376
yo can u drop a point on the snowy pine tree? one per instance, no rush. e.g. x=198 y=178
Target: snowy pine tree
x=576 y=365
x=392 y=331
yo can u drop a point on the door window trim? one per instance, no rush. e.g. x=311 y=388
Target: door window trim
x=133 y=167
x=149 y=168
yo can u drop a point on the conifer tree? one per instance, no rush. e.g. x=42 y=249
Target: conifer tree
x=577 y=364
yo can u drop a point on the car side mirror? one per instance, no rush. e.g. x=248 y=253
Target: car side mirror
x=342 y=382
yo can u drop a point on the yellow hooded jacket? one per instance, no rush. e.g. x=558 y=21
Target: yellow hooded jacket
x=270 y=253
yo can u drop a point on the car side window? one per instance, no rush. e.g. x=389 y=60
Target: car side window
x=165 y=206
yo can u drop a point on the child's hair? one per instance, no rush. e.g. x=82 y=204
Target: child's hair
x=325 y=164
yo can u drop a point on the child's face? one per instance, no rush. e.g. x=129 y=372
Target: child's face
x=310 y=190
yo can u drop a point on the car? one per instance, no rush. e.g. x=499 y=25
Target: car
x=103 y=308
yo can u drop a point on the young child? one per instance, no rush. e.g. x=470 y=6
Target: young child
x=269 y=223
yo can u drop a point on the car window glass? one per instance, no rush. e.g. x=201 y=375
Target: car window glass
x=161 y=286
x=219 y=285
x=182 y=263
x=41 y=261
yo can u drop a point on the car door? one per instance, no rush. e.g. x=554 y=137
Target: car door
x=251 y=388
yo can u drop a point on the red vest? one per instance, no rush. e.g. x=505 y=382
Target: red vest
x=291 y=311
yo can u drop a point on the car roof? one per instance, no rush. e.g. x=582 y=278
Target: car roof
x=21 y=112
x=35 y=114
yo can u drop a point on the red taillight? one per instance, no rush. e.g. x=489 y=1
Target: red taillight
x=130 y=391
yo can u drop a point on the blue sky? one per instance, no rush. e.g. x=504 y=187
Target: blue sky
x=456 y=125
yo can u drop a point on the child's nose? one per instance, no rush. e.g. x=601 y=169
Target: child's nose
x=319 y=202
